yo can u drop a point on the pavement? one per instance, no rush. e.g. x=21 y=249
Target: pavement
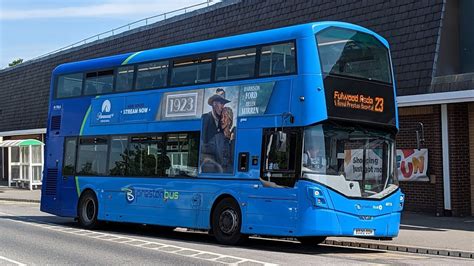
x=419 y=233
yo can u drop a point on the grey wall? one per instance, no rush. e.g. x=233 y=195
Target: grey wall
x=466 y=30
x=411 y=26
x=448 y=62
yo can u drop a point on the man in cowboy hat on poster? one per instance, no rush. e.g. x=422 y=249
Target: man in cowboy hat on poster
x=211 y=126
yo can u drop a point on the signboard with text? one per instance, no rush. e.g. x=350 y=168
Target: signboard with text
x=412 y=165
x=359 y=100
x=353 y=163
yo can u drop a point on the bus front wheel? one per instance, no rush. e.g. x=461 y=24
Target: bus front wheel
x=227 y=222
x=87 y=210
x=312 y=240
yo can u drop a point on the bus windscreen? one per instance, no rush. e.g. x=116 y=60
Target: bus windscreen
x=345 y=52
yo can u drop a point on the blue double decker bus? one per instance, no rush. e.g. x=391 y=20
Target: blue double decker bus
x=287 y=132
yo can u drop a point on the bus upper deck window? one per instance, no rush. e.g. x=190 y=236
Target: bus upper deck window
x=236 y=64
x=277 y=59
x=191 y=71
x=350 y=53
x=99 y=82
x=69 y=86
x=152 y=75
x=124 y=78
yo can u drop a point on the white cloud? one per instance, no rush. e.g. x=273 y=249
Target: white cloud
x=106 y=9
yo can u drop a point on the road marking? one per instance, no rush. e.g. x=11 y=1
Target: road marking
x=19 y=203
x=139 y=243
x=12 y=261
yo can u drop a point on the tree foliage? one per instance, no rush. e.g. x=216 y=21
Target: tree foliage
x=16 y=62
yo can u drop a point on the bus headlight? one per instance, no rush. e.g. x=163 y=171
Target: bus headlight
x=402 y=200
x=316 y=197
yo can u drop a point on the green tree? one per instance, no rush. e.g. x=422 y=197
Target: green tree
x=16 y=62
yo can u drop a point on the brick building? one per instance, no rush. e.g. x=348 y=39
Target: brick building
x=432 y=45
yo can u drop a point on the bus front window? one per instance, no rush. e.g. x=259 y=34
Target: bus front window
x=350 y=160
x=350 y=53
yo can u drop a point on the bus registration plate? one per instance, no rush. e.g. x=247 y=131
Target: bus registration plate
x=363 y=232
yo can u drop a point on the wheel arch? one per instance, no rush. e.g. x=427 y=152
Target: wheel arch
x=218 y=199
x=83 y=191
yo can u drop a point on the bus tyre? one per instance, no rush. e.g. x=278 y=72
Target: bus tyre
x=311 y=240
x=226 y=223
x=87 y=210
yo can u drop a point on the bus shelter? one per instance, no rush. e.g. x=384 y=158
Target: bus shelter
x=25 y=161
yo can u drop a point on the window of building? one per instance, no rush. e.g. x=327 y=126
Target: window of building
x=91 y=156
x=124 y=78
x=278 y=59
x=69 y=156
x=118 y=159
x=99 y=82
x=238 y=64
x=191 y=71
x=152 y=75
x=69 y=85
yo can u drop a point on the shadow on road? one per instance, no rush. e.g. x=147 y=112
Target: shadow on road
x=196 y=237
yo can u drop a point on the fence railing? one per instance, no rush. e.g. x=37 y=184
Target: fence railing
x=132 y=25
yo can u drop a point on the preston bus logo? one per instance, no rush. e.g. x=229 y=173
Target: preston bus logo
x=129 y=194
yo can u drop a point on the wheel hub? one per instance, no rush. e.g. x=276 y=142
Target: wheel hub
x=228 y=221
x=89 y=210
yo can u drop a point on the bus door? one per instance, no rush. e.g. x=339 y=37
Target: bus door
x=67 y=183
x=272 y=202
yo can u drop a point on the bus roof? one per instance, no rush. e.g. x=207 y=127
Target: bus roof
x=208 y=46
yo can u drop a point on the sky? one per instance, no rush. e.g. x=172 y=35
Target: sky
x=29 y=28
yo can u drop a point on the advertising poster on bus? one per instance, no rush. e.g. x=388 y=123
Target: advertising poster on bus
x=353 y=163
x=218 y=129
x=412 y=164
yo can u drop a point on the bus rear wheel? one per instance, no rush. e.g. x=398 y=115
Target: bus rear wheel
x=227 y=222
x=87 y=210
x=311 y=240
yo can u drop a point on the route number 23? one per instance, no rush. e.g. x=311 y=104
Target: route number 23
x=378 y=104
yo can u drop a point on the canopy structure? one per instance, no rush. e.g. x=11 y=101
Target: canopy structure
x=25 y=161
x=21 y=142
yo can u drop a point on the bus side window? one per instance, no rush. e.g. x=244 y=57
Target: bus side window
x=69 y=156
x=237 y=64
x=99 y=82
x=69 y=86
x=278 y=59
x=182 y=149
x=118 y=156
x=91 y=155
x=152 y=75
x=193 y=70
x=124 y=80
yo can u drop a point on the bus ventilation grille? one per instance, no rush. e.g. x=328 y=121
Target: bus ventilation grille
x=51 y=181
x=55 y=122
